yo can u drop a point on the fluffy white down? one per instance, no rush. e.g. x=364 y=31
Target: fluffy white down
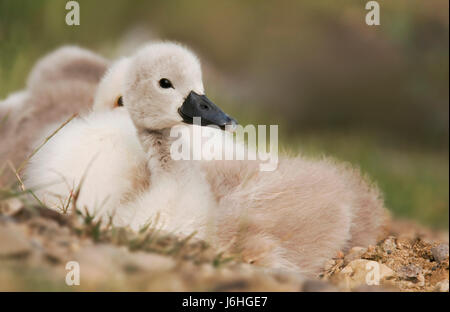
x=179 y=203
x=14 y=101
x=101 y=147
x=180 y=198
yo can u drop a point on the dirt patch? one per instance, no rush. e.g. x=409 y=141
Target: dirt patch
x=413 y=258
x=36 y=244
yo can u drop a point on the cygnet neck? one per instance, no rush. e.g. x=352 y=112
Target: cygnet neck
x=156 y=144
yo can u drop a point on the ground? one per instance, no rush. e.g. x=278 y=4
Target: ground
x=36 y=244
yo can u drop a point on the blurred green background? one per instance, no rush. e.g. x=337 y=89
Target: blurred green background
x=376 y=96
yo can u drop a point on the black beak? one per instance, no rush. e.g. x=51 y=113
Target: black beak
x=200 y=106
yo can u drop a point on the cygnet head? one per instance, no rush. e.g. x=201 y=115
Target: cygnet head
x=163 y=87
x=109 y=93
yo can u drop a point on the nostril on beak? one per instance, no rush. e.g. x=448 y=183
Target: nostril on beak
x=204 y=107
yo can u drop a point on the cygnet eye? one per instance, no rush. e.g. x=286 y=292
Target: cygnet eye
x=119 y=102
x=165 y=83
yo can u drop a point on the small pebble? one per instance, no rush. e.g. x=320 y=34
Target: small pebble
x=442 y=286
x=389 y=245
x=363 y=272
x=440 y=252
x=410 y=271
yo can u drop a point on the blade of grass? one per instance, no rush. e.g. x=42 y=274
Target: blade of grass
x=22 y=165
x=22 y=186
